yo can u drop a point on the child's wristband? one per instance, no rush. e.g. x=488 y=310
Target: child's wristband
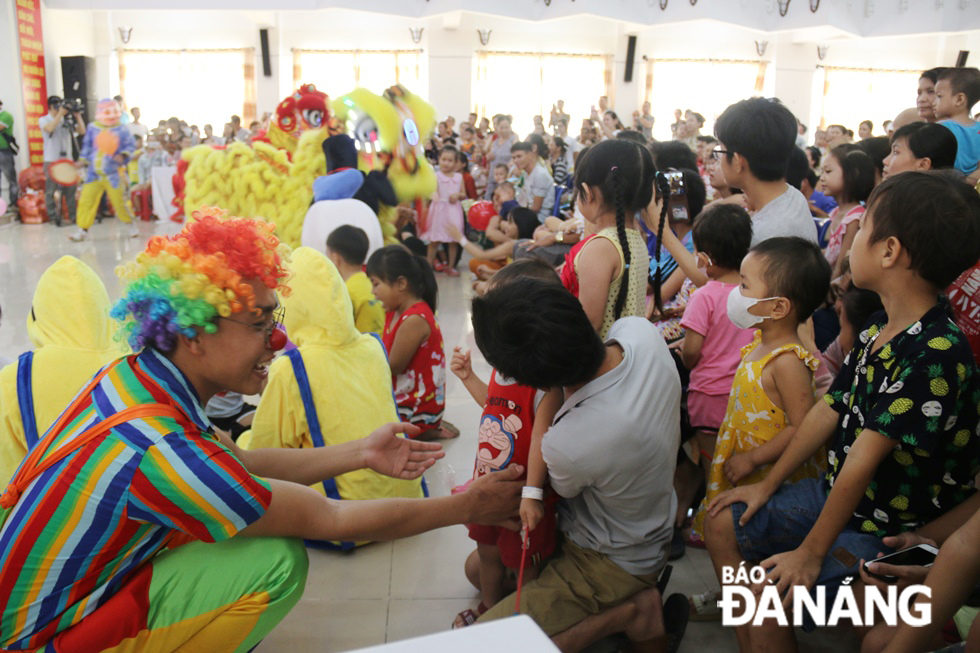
x=529 y=492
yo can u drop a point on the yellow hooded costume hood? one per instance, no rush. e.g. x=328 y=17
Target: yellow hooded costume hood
x=348 y=374
x=72 y=333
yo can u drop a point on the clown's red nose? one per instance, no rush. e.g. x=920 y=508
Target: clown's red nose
x=277 y=340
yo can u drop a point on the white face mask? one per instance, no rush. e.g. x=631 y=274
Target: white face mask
x=738 y=309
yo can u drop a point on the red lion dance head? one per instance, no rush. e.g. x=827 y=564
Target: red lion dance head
x=303 y=110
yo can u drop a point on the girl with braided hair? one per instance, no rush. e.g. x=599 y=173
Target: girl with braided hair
x=613 y=181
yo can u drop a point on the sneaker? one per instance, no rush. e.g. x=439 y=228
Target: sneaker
x=79 y=235
x=704 y=607
x=134 y=230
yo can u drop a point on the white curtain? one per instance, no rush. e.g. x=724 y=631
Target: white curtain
x=341 y=71
x=852 y=95
x=197 y=86
x=528 y=84
x=707 y=87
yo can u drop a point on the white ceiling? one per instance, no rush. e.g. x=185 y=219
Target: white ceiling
x=833 y=17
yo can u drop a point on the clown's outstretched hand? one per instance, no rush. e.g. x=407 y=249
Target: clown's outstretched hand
x=387 y=453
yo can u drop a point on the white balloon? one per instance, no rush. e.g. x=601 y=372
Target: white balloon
x=323 y=217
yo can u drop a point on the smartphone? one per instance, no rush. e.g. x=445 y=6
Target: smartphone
x=676 y=180
x=922 y=555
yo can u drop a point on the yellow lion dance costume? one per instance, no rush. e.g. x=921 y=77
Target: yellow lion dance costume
x=260 y=181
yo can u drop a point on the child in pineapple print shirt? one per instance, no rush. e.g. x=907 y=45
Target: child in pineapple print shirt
x=900 y=421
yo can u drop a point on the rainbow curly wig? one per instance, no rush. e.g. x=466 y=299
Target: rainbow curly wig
x=184 y=282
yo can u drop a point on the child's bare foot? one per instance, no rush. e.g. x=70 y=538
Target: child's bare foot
x=484 y=272
x=452 y=272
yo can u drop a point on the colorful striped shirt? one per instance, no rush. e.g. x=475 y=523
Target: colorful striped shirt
x=83 y=526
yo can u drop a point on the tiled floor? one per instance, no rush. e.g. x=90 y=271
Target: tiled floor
x=385 y=591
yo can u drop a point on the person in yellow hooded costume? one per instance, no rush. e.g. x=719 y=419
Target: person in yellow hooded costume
x=341 y=372
x=72 y=333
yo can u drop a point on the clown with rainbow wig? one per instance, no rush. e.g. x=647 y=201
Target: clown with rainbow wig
x=133 y=526
x=107 y=148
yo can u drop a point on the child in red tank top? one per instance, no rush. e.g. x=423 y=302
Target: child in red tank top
x=515 y=418
x=407 y=289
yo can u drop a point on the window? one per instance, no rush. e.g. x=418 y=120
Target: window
x=705 y=86
x=336 y=72
x=212 y=85
x=527 y=84
x=846 y=91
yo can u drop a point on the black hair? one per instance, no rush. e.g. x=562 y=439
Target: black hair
x=876 y=147
x=531 y=267
x=350 y=243
x=796 y=168
x=707 y=138
x=502 y=165
x=673 y=154
x=560 y=144
x=761 y=130
x=610 y=112
x=53 y=99
x=697 y=116
x=526 y=221
x=526 y=329
x=811 y=178
x=796 y=269
x=393 y=262
x=538 y=142
x=935 y=217
x=521 y=146
x=632 y=135
x=929 y=140
x=724 y=233
x=859 y=305
x=815 y=154
x=448 y=148
x=870 y=124
x=843 y=130
x=933 y=74
x=462 y=158
x=624 y=173
x=857 y=170
x=965 y=81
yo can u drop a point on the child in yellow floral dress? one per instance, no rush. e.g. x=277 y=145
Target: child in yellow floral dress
x=783 y=280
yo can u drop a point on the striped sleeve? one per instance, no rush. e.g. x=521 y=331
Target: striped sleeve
x=197 y=486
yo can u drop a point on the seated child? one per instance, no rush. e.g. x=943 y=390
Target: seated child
x=72 y=335
x=722 y=234
x=515 y=418
x=406 y=287
x=342 y=373
x=347 y=248
x=900 y=421
x=783 y=280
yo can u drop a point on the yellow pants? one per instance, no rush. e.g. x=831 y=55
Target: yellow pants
x=92 y=195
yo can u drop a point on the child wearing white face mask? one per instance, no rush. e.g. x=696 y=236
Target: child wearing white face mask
x=783 y=280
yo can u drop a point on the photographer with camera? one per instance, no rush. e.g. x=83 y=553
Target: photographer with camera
x=63 y=122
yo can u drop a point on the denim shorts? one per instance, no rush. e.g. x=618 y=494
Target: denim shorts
x=785 y=521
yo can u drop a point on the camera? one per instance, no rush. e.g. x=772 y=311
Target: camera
x=72 y=105
x=676 y=181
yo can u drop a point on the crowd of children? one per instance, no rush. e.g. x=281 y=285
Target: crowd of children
x=815 y=404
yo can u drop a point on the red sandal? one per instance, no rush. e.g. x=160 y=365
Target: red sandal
x=468 y=617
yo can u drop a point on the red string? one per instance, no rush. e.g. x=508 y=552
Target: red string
x=520 y=574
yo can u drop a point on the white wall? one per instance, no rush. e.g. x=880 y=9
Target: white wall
x=450 y=41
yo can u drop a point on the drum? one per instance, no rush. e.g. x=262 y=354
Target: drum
x=64 y=172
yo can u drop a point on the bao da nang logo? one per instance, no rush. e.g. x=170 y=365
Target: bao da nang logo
x=740 y=605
